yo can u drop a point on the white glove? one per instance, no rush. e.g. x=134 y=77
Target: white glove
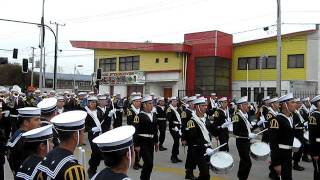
x=121 y=109
x=180 y=133
x=111 y=112
x=209 y=151
x=305 y=124
x=95 y=130
x=176 y=128
x=252 y=135
x=226 y=124
x=261 y=122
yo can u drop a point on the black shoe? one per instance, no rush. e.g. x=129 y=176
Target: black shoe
x=161 y=148
x=179 y=160
x=175 y=160
x=306 y=159
x=189 y=175
x=136 y=167
x=273 y=176
x=91 y=173
x=297 y=167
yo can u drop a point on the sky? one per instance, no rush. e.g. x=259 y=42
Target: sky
x=139 y=21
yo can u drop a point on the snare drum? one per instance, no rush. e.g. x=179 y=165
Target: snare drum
x=221 y=162
x=306 y=135
x=259 y=151
x=296 y=145
x=230 y=128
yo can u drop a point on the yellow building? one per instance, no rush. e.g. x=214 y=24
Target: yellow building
x=254 y=65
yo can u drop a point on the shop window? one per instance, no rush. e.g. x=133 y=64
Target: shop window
x=157 y=60
x=242 y=63
x=107 y=64
x=296 y=61
x=166 y=60
x=271 y=91
x=246 y=92
x=129 y=63
x=271 y=62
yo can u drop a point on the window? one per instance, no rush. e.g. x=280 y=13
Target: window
x=242 y=63
x=271 y=62
x=296 y=61
x=107 y=64
x=166 y=60
x=246 y=92
x=157 y=60
x=257 y=95
x=129 y=63
x=252 y=61
x=271 y=91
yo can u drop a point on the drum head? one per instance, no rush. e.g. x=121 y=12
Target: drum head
x=260 y=149
x=221 y=160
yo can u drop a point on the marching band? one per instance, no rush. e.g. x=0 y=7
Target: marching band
x=39 y=134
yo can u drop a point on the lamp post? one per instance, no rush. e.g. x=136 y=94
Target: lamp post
x=74 y=76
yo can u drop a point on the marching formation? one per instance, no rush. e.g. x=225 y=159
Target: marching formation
x=39 y=134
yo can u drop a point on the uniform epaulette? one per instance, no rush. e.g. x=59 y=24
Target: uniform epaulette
x=168 y=110
x=216 y=114
x=75 y=172
x=190 y=124
x=136 y=119
x=274 y=124
x=183 y=114
x=235 y=118
x=129 y=113
x=312 y=120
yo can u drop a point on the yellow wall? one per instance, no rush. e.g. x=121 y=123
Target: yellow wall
x=294 y=45
x=147 y=59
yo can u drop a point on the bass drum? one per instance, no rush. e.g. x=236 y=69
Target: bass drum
x=260 y=151
x=221 y=162
x=296 y=145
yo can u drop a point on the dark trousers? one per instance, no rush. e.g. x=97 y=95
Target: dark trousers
x=146 y=152
x=96 y=155
x=176 y=139
x=316 y=173
x=286 y=166
x=2 y=161
x=162 y=131
x=243 y=146
x=190 y=162
x=224 y=138
x=137 y=157
x=117 y=121
x=297 y=155
x=202 y=162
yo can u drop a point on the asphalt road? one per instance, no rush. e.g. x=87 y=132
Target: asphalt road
x=165 y=170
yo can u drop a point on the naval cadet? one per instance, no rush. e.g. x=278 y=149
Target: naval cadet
x=146 y=136
x=281 y=138
x=116 y=146
x=162 y=122
x=37 y=144
x=60 y=163
x=29 y=118
x=60 y=105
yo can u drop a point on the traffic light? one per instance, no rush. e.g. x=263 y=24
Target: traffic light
x=99 y=72
x=15 y=53
x=25 y=65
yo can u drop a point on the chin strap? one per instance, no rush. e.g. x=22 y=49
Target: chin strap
x=78 y=138
x=129 y=157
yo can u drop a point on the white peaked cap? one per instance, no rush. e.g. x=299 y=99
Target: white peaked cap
x=48 y=104
x=223 y=99
x=146 y=98
x=243 y=99
x=315 y=99
x=29 y=112
x=69 y=121
x=285 y=98
x=38 y=134
x=200 y=100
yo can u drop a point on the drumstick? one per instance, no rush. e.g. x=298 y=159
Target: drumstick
x=215 y=149
x=115 y=115
x=262 y=131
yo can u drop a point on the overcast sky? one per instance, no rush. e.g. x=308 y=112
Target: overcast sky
x=141 y=20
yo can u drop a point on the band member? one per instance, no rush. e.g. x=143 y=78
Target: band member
x=118 y=105
x=94 y=129
x=298 y=124
x=117 y=152
x=13 y=103
x=37 y=96
x=52 y=93
x=29 y=118
x=146 y=136
x=305 y=113
x=82 y=101
x=186 y=115
x=222 y=121
x=199 y=137
x=60 y=105
x=48 y=108
x=4 y=130
x=104 y=113
x=314 y=137
x=37 y=144
x=281 y=138
x=264 y=109
x=242 y=129
x=60 y=163
x=69 y=101
x=213 y=104
x=162 y=122
x=133 y=111
x=174 y=118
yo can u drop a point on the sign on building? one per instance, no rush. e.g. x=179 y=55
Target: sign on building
x=123 y=78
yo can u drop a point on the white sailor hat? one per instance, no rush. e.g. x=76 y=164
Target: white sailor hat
x=102 y=97
x=29 y=112
x=192 y=98
x=197 y=95
x=286 y=98
x=115 y=139
x=69 y=121
x=91 y=92
x=161 y=99
x=37 y=91
x=38 y=134
x=82 y=94
x=315 y=99
x=297 y=100
x=48 y=105
x=200 y=100
x=146 y=99
x=272 y=100
x=92 y=98
x=213 y=94
x=134 y=98
x=60 y=98
x=173 y=98
x=266 y=98
x=152 y=94
x=243 y=99
x=16 y=88
x=305 y=99
x=52 y=92
x=66 y=92
x=223 y=99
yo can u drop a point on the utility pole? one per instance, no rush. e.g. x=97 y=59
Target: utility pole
x=32 y=67
x=279 y=47
x=41 y=46
x=55 y=54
